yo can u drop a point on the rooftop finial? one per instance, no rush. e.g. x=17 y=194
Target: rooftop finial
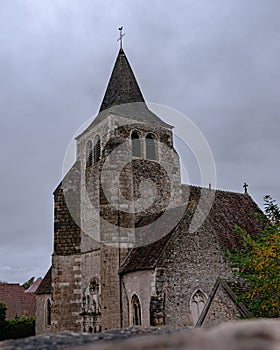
x=121 y=36
x=245 y=186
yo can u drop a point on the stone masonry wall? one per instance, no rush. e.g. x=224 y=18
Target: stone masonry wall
x=67 y=233
x=140 y=283
x=116 y=221
x=192 y=261
x=90 y=212
x=66 y=293
x=223 y=307
x=41 y=325
x=111 y=258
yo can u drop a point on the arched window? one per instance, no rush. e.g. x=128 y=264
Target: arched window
x=150 y=147
x=97 y=149
x=136 y=144
x=198 y=301
x=136 y=311
x=89 y=153
x=48 y=313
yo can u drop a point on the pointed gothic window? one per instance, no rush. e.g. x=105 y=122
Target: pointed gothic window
x=136 y=144
x=97 y=149
x=150 y=147
x=136 y=311
x=89 y=153
x=198 y=301
x=48 y=313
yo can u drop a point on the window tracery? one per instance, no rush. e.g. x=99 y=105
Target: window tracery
x=198 y=301
x=136 y=311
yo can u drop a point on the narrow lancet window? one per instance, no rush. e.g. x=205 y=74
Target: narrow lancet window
x=150 y=147
x=136 y=311
x=48 y=312
x=136 y=144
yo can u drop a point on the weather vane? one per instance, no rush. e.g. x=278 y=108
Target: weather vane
x=121 y=36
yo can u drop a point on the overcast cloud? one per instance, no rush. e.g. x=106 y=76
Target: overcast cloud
x=216 y=61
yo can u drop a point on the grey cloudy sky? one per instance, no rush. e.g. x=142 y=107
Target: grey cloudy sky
x=215 y=61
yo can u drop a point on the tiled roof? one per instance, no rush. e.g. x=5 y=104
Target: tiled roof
x=228 y=209
x=123 y=97
x=46 y=283
x=34 y=286
x=148 y=228
x=122 y=87
x=18 y=302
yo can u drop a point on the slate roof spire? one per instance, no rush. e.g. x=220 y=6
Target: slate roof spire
x=122 y=87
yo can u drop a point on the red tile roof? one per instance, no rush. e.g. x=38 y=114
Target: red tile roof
x=34 y=286
x=18 y=302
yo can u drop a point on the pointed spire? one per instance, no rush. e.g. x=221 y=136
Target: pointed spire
x=122 y=87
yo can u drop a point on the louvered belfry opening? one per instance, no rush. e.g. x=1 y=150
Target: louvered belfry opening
x=89 y=153
x=136 y=144
x=97 y=149
x=150 y=147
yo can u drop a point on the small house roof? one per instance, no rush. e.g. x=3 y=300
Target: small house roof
x=18 y=302
x=34 y=286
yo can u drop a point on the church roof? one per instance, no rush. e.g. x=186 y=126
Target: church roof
x=123 y=97
x=122 y=87
x=228 y=210
x=46 y=283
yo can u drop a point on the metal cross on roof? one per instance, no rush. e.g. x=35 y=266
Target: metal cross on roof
x=245 y=186
x=121 y=36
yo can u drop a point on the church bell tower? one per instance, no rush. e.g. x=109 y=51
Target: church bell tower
x=126 y=172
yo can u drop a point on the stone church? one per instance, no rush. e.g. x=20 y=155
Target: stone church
x=132 y=244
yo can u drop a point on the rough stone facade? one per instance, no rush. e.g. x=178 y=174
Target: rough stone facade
x=124 y=253
x=192 y=261
x=223 y=306
x=43 y=305
x=42 y=325
x=141 y=284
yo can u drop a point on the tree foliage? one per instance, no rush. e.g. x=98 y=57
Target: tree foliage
x=28 y=283
x=18 y=327
x=258 y=264
x=3 y=310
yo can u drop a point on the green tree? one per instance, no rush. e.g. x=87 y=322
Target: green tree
x=13 y=328
x=3 y=310
x=20 y=327
x=28 y=283
x=258 y=264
